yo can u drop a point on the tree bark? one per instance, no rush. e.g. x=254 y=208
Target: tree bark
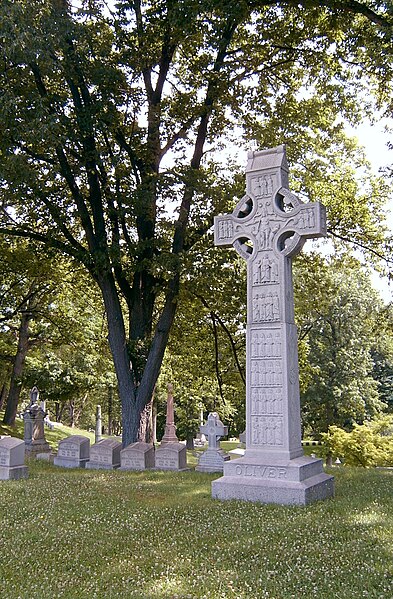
x=118 y=346
x=17 y=370
x=3 y=395
x=110 y=408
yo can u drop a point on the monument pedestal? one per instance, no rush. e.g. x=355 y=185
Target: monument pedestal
x=288 y=482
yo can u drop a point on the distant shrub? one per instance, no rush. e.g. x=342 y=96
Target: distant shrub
x=369 y=444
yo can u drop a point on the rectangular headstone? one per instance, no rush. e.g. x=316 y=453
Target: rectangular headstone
x=268 y=228
x=73 y=452
x=105 y=455
x=137 y=456
x=171 y=456
x=12 y=457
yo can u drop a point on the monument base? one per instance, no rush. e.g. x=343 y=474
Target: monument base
x=212 y=460
x=294 y=482
x=101 y=466
x=13 y=472
x=72 y=463
x=31 y=449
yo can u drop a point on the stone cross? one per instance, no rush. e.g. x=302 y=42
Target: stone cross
x=213 y=429
x=268 y=228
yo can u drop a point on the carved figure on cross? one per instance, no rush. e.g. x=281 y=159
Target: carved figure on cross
x=213 y=429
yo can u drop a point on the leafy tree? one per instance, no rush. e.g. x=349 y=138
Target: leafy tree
x=337 y=320
x=109 y=116
x=369 y=444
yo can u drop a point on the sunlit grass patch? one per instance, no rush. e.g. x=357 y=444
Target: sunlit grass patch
x=160 y=535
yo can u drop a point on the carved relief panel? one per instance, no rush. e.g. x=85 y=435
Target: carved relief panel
x=265 y=306
x=266 y=373
x=265 y=344
x=266 y=401
x=267 y=430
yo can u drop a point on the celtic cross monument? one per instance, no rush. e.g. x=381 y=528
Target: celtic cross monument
x=268 y=228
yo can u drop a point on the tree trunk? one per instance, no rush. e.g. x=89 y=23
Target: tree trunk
x=17 y=370
x=3 y=395
x=118 y=346
x=110 y=409
x=190 y=441
x=72 y=414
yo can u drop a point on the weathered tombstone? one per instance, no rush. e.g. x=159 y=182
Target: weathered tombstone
x=268 y=227
x=137 y=456
x=98 y=435
x=12 y=459
x=170 y=428
x=170 y=455
x=212 y=460
x=73 y=452
x=104 y=455
x=34 y=434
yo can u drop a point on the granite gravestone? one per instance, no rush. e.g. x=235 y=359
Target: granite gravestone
x=73 y=452
x=170 y=455
x=104 y=455
x=212 y=460
x=12 y=459
x=34 y=434
x=268 y=228
x=137 y=456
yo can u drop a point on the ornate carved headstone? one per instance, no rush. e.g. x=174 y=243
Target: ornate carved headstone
x=170 y=455
x=170 y=428
x=212 y=460
x=34 y=434
x=268 y=228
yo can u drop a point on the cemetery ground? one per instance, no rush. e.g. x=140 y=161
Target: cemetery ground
x=104 y=534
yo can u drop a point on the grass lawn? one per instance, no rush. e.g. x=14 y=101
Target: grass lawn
x=97 y=534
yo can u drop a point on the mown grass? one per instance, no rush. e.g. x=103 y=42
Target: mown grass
x=97 y=534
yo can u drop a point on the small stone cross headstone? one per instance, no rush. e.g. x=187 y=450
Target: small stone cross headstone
x=268 y=228
x=212 y=460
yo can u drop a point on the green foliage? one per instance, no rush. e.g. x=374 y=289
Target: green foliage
x=337 y=311
x=114 y=524
x=369 y=444
x=117 y=124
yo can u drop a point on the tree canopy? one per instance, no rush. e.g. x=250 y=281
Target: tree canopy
x=116 y=118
